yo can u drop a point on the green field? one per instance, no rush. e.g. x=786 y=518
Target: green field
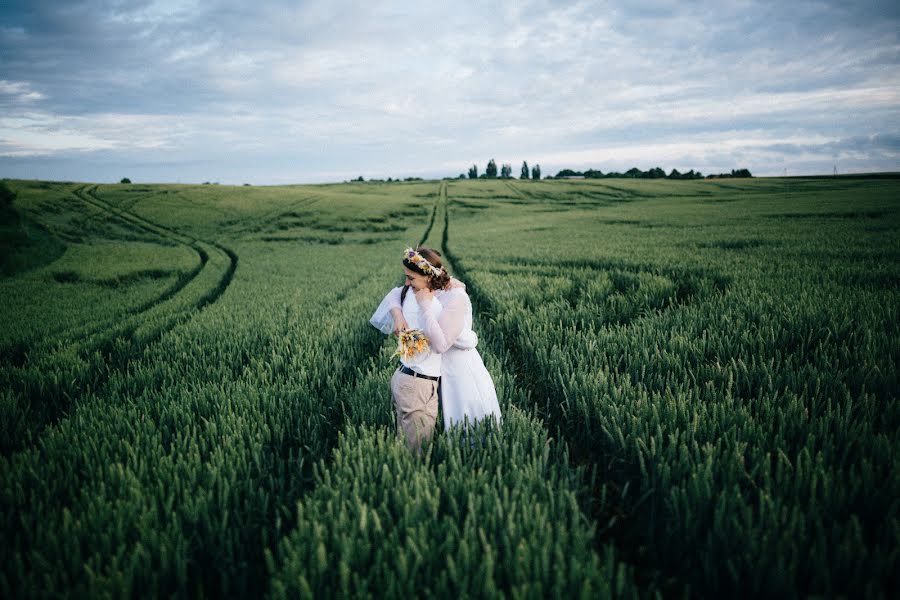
x=699 y=382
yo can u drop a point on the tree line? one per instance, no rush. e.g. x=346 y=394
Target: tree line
x=490 y=172
x=654 y=173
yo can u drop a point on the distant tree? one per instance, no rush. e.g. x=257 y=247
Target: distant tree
x=360 y=178
x=674 y=174
x=462 y=176
x=125 y=180
x=536 y=172
x=568 y=173
x=473 y=172
x=734 y=173
x=634 y=172
x=656 y=173
x=593 y=174
x=524 y=174
x=246 y=185
x=491 y=170
x=506 y=171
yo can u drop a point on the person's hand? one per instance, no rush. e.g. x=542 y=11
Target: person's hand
x=400 y=323
x=424 y=296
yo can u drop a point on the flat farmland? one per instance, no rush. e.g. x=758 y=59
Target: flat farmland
x=698 y=380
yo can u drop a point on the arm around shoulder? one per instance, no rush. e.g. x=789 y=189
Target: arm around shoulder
x=443 y=331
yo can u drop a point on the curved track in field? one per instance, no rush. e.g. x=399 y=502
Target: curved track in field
x=203 y=248
x=516 y=360
x=99 y=344
x=258 y=223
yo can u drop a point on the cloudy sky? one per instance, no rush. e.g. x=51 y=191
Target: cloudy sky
x=326 y=90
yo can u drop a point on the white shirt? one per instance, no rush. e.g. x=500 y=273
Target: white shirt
x=425 y=363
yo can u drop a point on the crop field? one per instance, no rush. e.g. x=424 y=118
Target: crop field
x=699 y=382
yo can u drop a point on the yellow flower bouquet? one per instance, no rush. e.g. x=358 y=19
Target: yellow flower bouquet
x=410 y=343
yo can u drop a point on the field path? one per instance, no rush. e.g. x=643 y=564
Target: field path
x=58 y=373
x=256 y=223
x=209 y=252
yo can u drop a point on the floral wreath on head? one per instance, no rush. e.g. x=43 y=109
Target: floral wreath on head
x=413 y=256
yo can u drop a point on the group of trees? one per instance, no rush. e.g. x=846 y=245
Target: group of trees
x=734 y=173
x=490 y=172
x=388 y=180
x=633 y=173
x=654 y=173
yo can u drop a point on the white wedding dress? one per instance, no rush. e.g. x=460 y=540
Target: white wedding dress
x=467 y=389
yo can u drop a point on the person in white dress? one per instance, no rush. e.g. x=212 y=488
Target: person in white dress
x=441 y=308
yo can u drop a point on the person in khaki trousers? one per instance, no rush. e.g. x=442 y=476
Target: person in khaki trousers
x=416 y=403
x=415 y=384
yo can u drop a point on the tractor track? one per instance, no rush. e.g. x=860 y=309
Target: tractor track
x=107 y=348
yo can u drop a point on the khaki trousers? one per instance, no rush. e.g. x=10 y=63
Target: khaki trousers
x=416 y=403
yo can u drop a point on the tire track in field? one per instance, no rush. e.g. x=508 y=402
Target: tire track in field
x=355 y=380
x=442 y=193
x=516 y=191
x=96 y=214
x=594 y=193
x=95 y=327
x=511 y=361
x=104 y=349
x=338 y=404
x=255 y=225
x=171 y=291
x=610 y=502
x=192 y=241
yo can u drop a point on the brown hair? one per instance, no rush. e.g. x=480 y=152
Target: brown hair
x=438 y=282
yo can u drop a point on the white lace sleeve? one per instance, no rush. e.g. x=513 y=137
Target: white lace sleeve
x=382 y=319
x=444 y=330
x=467 y=340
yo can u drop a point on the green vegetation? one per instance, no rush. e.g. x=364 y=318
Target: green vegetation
x=24 y=243
x=698 y=379
x=727 y=355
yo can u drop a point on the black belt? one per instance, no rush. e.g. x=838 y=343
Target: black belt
x=408 y=371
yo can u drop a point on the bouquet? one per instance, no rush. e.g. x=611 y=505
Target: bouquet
x=410 y=343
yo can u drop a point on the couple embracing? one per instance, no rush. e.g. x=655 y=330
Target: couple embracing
x=450 y=370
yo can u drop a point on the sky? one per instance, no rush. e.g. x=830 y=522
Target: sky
x=327 y=90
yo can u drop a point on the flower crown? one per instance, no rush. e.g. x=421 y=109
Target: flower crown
x=421 y=262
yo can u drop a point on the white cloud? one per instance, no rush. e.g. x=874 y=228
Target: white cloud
x=419 y=88
x=156 y=11
x=19 y=91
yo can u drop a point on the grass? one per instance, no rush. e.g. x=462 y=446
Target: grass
x=698 y=380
